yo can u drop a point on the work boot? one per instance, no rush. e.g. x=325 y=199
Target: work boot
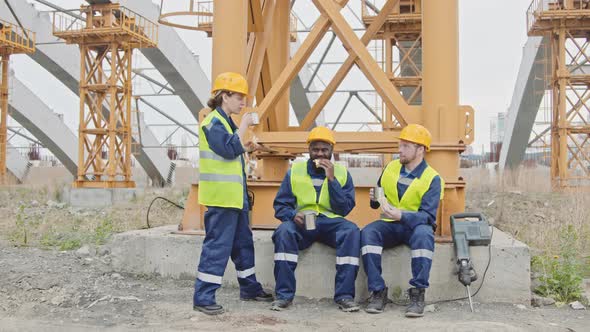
x=212 y=309
x=263 y=296
x=279 y=304
x=347 y=305
x=416 y=307
x=377 y=302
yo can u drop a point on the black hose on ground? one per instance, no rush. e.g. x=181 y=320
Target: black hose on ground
x=147 y=216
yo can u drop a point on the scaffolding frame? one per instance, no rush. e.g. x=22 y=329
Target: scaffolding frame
x=107 y=37
x=567 y=24
x=13 y=40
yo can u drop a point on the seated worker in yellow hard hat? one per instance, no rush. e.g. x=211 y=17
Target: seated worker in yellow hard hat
x=222 y=188
x=320 y=187
x=413 y=191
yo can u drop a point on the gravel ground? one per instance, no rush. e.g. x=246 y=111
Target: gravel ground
x=79 y=291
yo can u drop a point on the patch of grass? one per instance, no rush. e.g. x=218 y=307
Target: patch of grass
x=19 y=236
x=396 y=293
x=561 y=274
x=70 y=244
x=102 y=232
x=586 y=267
x=49 y=239
x=68 y=228
x=62 y=241
x=58 y=194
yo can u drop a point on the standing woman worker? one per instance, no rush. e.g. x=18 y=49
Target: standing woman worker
x=222 y=189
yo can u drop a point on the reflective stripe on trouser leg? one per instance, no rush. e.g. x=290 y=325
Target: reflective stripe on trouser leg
x=422 y=249
x=285 y=239
x=348 y=238
x=220 y=229
x=374 y=237
x=243 y=257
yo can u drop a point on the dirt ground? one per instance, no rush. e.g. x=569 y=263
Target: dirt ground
x=74 y=291
x=48 y=283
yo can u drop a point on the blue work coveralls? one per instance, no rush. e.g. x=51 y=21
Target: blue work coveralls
x=337 y=233
x=415 y=229
x=227 y=230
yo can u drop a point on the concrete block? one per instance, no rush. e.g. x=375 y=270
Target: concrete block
x=98 y=198
x=158 y=251
x=366 y=176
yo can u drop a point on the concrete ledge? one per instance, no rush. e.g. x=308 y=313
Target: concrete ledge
x=98 y=198
x=159 y=251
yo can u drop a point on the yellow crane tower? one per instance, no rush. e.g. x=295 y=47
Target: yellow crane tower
x=255 y=44
x=13 y=40
x=107 y=37
x=566 y=23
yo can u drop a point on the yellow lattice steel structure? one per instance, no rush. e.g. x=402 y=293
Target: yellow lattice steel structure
x=13 y=40
x=107 y=37
x=401 y=39
x=202 y=12
x=421 y=87
x=567 y=24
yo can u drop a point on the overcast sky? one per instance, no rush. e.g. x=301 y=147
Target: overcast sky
x=492 y=34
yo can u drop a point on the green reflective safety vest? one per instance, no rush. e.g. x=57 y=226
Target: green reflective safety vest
x=221 y=181
x=303 y=189
x=412 y=197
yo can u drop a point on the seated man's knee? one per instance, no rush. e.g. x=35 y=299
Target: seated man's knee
x=369 y=233
x=423 y=233
x=285 y=229
x=348 y=230
x=352 y=228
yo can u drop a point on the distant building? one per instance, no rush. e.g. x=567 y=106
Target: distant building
x=497 y=131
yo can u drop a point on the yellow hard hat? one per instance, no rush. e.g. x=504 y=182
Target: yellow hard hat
x=229 y=81
x=416 y=133
x=321 y=134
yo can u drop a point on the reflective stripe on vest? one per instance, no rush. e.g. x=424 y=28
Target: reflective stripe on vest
x=221 y=181
x=412 y=197
x=302 y=187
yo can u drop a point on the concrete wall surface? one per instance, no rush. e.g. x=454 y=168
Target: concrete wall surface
x=158 y=251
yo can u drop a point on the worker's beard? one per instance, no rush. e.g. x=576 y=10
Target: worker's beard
x=407 y=158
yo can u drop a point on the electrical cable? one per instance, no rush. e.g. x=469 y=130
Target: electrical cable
x=147 y=216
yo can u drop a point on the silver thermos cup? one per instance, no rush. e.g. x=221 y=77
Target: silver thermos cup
x=310 y=221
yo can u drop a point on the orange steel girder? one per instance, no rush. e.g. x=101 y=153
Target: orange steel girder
x=567 y=25
x=13 y=40
x=282 y=83
x=390 y=95
x=4 y=61
x=97 y=132
x=257 y=46
x=450 y=123
x=331 y=17
x=346 y=66
x=106 y=39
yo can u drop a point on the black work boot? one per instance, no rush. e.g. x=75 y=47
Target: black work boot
x=279 y=304
x=377 y=302
x=213 y=309
x=347 y=305
x=416 y=307
x=263 y=296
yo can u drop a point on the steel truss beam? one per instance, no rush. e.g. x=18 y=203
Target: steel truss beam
x=346 y=67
